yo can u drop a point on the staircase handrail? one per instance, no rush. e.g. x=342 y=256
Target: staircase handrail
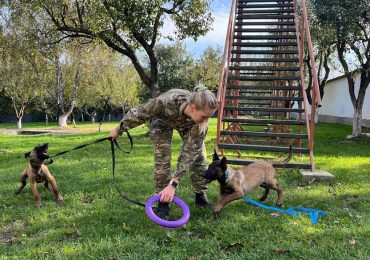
x=315 y=97
x=224 y=68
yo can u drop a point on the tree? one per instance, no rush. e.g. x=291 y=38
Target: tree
x=64 y=80
x=126 y=26
x=207 y=68
x=22 y=68
x=175 y=66
x=349 y=19
x=323 y=47
x=112 y=82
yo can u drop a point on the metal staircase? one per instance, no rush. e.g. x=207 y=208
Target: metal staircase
x=263 y=105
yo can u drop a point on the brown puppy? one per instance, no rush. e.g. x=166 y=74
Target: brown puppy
x=37 y=171
x=234 y=184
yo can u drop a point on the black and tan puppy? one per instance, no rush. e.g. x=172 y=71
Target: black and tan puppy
x=234 y=184
x=37 y=171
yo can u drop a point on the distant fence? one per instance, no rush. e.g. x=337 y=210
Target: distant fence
x=39 y=117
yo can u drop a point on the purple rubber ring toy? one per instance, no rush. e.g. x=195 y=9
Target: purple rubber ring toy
x=167 y=223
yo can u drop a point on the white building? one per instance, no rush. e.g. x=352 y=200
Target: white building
x=336 y=103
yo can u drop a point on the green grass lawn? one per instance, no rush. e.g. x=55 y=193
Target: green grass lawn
x=95 y=223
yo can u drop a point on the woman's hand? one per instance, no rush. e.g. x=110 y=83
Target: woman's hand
x=114 y=134
x=167 y=194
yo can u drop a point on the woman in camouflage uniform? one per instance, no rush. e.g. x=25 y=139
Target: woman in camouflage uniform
x=188 y=113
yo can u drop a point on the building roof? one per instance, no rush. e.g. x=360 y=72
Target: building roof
x=343 y=76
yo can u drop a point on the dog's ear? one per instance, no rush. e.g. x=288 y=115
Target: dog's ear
x=223 y=164
x=26 y=155
x=43 y=156
x=215 y=156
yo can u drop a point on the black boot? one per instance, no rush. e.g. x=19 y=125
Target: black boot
x=201 y=200
x=162 y=210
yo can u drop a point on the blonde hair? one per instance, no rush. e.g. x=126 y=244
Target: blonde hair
x=202 y=98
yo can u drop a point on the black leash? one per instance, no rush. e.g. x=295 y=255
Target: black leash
x=113 y=172
x=112 y=144
x=84 y=145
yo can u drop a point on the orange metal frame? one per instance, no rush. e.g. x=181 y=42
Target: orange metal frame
x=302 y=35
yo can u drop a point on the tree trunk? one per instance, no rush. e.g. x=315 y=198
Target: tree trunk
x=356 y=125
x=154 y=89
x=73 y=120
x=62 y=120
x=317 y=115
x=19 y=123
x=93 y=115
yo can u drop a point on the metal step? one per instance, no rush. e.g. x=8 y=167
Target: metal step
x=263 y=1
x=266 y=109
x=265 y=44
x=278 y=87
x=254 y=78
x=264 y=60
x=259 y=104
x=256 y=92
x=266 y=6
x=264 y=134
x=275 y=164
x=242 y=23
x=266 y=148
x=253 y=73
x=264 y=68
x=294 y=52
x=265 y=11
x=264 y=98
x=264 y=17
x=262 y=121
x=264 y=37
x=264 y=30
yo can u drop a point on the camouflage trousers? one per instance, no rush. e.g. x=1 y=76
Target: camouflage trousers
x=161 y=136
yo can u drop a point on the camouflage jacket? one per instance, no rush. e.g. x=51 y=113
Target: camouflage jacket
x=169 y=108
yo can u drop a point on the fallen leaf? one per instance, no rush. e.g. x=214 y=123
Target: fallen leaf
x=230 y=246
x=352 y=241
x=275 y=214
x=281 y=251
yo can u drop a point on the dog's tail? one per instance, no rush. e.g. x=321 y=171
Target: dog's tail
x=286 y=160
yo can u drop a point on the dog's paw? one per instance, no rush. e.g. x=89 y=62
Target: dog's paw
x=38 y=205
x=60 y=198
x=216 y=211
x=280 y=205
x=216 y=214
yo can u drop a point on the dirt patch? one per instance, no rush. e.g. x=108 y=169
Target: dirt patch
x=8 y=233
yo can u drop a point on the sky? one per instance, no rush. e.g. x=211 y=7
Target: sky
x=215 y=37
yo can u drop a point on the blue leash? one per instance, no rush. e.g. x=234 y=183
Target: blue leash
x=296 y=211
